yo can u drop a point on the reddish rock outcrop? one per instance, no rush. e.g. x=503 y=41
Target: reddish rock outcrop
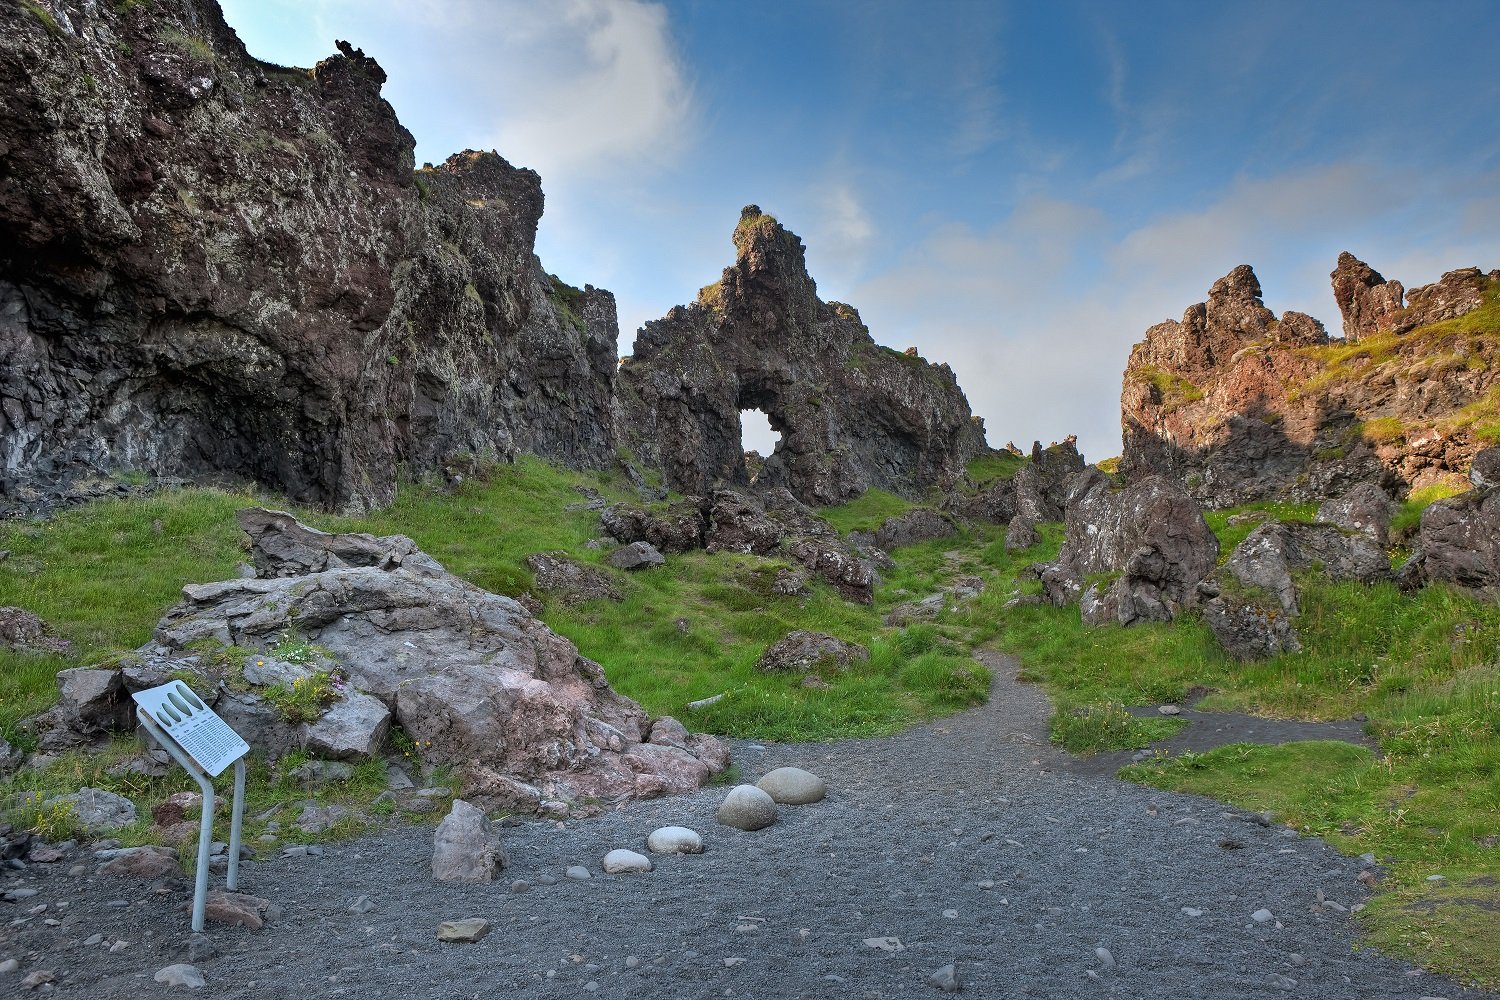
x=1241 y=406
x=852 y=414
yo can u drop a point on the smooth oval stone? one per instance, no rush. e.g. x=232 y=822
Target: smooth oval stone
x=619 y=861
x=674 y=840
x=793 y=786
x=747 y=808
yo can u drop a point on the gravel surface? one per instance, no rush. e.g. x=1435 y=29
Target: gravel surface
x=969 y=841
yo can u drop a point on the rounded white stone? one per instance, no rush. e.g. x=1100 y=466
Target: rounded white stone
x=674 y=840
x=620 y=861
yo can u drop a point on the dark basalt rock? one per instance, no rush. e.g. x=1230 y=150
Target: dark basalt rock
x=1150 y=533
x=1458 y=540
x=1251 y=601
x=773 y=523
x=1229 y=401
x=1365 y=509
x=851 y=414
x=212 y=267
x=572 y=581
x=803 y=650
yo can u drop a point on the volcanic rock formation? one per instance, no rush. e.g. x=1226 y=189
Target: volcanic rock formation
x=472 y=676
x=1149 y=540
x=211 y=266
x=1242 y=406
x=852 y=414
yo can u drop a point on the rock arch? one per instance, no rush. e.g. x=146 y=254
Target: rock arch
x=851 y=414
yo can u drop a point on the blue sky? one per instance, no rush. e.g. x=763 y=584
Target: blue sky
x=1019 y=189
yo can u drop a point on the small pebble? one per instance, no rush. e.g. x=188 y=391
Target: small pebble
x=1262 y=916
x=578 y=872
x=1106 y=959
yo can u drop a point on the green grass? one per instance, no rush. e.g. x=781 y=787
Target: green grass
x=1406 y=519
x=1230 y=535
x=866 y=513
x=1468 y=341
x=1421 y=667
x=190 y=45
x=567 y=300
x=1172 y=389
x=102 y=575
x=993 y=467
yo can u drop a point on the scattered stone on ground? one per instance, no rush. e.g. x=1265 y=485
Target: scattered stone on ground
x=620 y=862
x=636 y=556
x=793 y=786
x=465 y=931
x=802 y=650
x=674 y=840
x=466 y=846
x=747 y=808
x=181 y=974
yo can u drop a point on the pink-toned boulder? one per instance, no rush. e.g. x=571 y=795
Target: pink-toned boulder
x=471 y=676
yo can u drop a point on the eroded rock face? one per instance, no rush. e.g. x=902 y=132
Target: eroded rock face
x=734 y=521
x=471 y=675
x=1038 y=491
x=851 y=414
x=1458 y=542
x=1366 y=300
x=1150 y=533
x=1250 y=602
x=1242 y=406
x=211 y=266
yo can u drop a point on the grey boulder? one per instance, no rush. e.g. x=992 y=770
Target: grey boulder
x=466 y=847
x=793 y=786
x=636 y=555
x=674 y=840
x=95 y=809
x=747 y=808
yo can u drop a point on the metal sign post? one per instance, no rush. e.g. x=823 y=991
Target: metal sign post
x=204 y=745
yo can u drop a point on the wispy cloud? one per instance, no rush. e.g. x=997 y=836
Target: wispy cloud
x=1037 y=314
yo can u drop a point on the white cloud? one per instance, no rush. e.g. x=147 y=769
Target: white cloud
x=1037 y=314
x=598 y=86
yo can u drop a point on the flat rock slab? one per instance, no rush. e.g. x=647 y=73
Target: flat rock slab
x=181 y=974
x=465 y=931
x=143 y=862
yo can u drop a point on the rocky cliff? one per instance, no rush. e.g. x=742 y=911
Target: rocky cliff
x=1243 y=406
x=851 y=414
x=215 y=267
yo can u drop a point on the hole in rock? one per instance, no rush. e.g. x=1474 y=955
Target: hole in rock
x=757 y=436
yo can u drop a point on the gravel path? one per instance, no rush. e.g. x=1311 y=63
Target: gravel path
x=969 y=840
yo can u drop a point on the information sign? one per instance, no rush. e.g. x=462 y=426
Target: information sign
x=193 y=726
